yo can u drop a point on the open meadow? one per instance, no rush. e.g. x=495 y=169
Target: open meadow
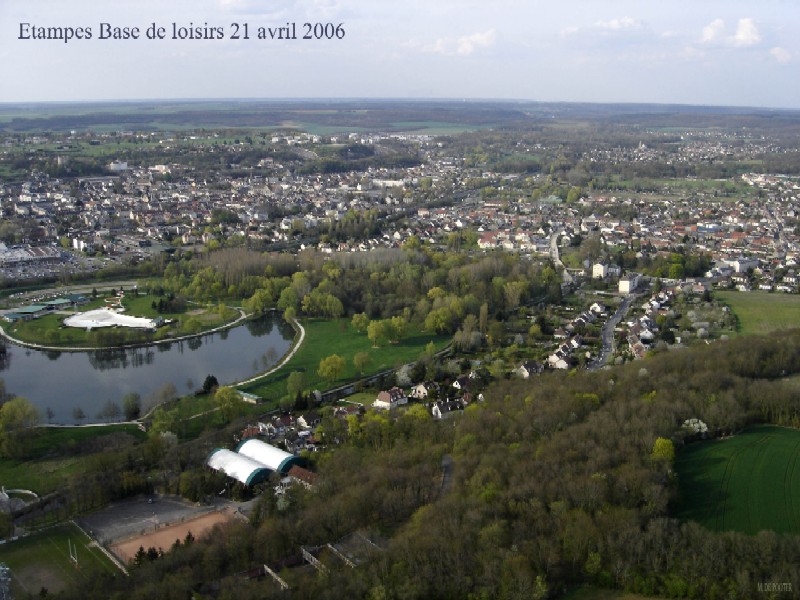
x=761 y=312
x=746 y=483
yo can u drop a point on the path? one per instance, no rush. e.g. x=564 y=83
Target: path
x=286 y=358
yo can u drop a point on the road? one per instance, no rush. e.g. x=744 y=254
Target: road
x=607 y=334
x=567 y=278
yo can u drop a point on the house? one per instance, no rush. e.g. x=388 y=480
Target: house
x=599 y=271
x=461 y=383
x=558 y=360
x=280 y=424
x=629 y=283
x=309 y=420
x=528 y=368
x=446 y=408
x=302 y=476
x=420 y=391
x=598 y=309
x=343 y=412
x=389 y=399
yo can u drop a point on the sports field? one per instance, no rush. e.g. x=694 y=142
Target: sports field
x=746 y=483
x=164 y=537
x=761 y=312
x=43 y=560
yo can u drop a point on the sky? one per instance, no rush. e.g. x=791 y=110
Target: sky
x=709 y=52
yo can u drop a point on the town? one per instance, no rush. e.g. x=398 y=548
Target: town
x=424 y=314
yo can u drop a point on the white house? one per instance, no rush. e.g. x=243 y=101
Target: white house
x=629 y=283
x=389 y=399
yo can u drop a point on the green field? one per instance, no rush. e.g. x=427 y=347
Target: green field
x=324 y=338
x=747 y=483
x=761 y=312
x=42 y=561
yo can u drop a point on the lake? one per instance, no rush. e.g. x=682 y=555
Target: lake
x=63 y=381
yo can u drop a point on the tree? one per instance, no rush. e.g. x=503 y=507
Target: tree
x=109 y=411
x=228 y=402
x=360 y=361
x=78 y=414
x=209 y=384
x=376 y=332
x=331 y=367
x=131 y=405
x=663 y=451
x=50 y=414
x=397 y=328
x=360 y=322
x=294 y=383
x=18 y=417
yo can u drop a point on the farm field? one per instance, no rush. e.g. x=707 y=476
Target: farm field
x=42 y=561
x=746 y=483
x=761 y=312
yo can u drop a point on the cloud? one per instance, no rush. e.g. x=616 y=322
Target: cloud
x=781 y=55
x=746 y=33
x=468 y=43
x=567 y=31
x=463 y=46
x=625 y=23
x=713 y=31
x=613 y=25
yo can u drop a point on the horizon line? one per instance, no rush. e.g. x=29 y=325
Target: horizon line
x=336 y=99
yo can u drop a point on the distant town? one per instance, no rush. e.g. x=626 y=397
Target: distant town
x=65 y=225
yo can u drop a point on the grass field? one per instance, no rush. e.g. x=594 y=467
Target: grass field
x=761 y=312
x=42 y=561
x=747 y=483
x=324 y=338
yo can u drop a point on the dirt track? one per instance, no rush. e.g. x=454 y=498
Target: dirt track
x=166 y=536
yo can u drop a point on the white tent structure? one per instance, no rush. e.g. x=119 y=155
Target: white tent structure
x=271 y=457
x=104 y=317
x=241 y=468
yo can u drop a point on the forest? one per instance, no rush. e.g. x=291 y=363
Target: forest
x=563 y=479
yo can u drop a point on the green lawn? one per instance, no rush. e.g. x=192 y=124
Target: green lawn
x=761 y=312
x=324 y=338
x=42 y=561
x=746 y=483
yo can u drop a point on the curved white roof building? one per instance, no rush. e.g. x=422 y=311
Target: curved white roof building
x=271 y=457
x=241 y=468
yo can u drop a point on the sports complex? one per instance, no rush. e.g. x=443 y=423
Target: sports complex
x=105 y=317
